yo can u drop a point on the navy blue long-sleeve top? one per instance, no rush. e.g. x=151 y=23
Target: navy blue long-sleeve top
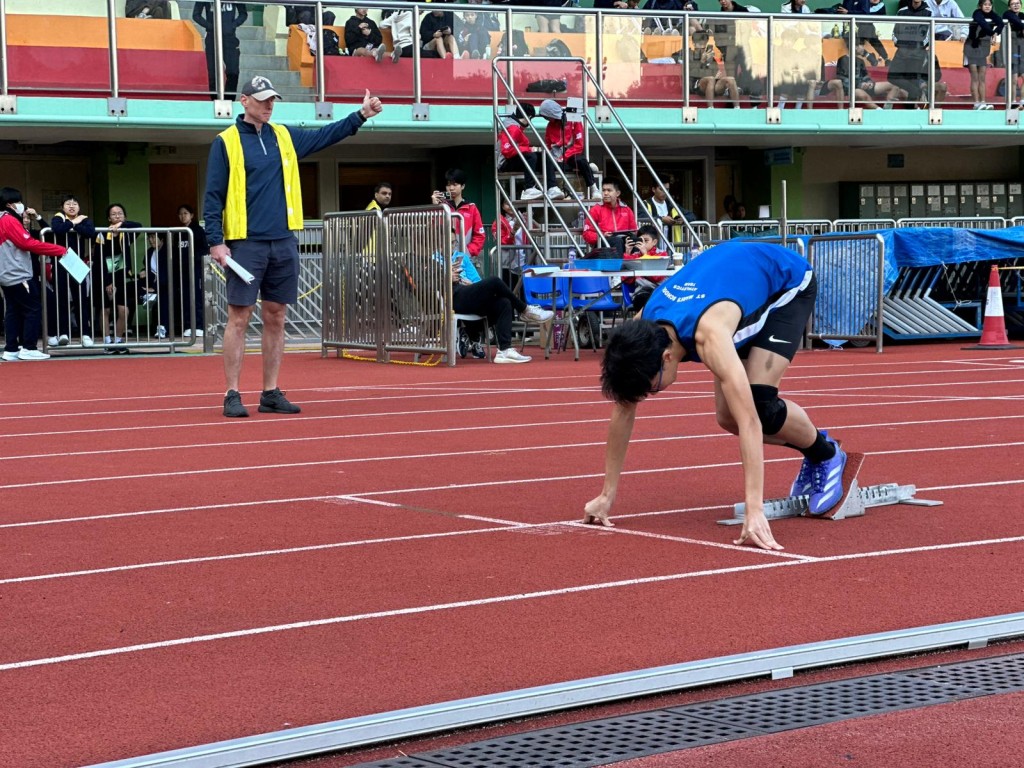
x=266 y=208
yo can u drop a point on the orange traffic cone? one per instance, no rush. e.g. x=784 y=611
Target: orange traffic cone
x=993 y=330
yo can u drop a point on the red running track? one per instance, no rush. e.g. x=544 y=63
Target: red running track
x=170 y=578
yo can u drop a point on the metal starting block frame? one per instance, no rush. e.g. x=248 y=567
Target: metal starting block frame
x=853 y=504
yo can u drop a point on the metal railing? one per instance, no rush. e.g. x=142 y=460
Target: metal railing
x=770 y=55
x=142 y=291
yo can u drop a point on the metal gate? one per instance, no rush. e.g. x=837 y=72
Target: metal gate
x=388 y=282
x=851 y=284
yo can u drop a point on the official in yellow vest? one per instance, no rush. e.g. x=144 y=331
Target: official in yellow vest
x=252 y=208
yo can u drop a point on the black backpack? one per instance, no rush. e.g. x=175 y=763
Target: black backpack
x=332 y=45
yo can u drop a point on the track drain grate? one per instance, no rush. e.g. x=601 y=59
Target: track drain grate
x=600 y=742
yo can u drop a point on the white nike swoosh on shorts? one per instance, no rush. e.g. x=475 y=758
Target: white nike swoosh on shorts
x=778 y=341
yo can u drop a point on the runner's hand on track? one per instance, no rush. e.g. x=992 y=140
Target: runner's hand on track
x=596 y=512
x=756 y=531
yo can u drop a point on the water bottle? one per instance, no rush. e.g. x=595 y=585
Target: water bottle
x=694 y=252
x=581 y=219
x=571 y=263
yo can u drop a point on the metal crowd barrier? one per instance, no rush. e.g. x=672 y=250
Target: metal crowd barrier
x=303 y=319
x=850 y=269
x=389 y=282
x=142 y=291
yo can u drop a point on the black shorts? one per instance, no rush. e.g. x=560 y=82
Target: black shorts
x=275 y=266
x=784 y=328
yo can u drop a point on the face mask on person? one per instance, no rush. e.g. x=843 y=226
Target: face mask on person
x=19 y=208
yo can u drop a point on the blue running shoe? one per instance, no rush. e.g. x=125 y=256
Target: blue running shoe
x=828 y=483
x=804 y=484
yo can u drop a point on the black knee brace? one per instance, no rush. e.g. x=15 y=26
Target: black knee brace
x=771 y=409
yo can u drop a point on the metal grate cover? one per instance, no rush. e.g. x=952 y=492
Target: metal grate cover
x=600 y=742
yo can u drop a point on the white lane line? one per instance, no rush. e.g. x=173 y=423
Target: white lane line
x=482 y=428
x=497 y=600
x=798 y=369
x=261 y=553
x=686 y=540
x=506 y=526
x=455 y=454
x=481 y=389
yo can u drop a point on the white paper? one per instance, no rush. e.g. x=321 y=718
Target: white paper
x=239 y=270
x=77 y=268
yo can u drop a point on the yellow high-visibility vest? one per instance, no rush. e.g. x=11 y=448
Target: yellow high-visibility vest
x=235 y=213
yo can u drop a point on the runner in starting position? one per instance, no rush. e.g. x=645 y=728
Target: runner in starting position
x=740 y=308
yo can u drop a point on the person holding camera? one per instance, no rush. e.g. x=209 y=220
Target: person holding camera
x=436 y=35
x=643 y=246
x=454 y=186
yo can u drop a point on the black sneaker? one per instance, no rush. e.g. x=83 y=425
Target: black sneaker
x=463 y=345
x=233 y=404
x=478 y=350
x=274 y=401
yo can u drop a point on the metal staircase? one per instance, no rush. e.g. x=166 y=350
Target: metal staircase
x=553 y=229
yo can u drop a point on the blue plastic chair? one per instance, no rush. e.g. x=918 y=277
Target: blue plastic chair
x=547 y=293
x=591 y=295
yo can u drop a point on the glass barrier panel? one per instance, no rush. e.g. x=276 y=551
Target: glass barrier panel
x=52 y=54
x=472 y=35
x=167 y=58
x=797 y=61
x=386 y=68
x=742 y=51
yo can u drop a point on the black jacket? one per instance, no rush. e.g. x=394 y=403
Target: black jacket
x=232 y=16
x=354 y=38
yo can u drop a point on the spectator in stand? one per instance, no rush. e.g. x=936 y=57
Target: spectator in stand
x=473 y=36
x=795 y=6
x=253 y=207
x=512 y=141
x=670 y=220
x=455 y=186
x=645 y=246
x=113 y=275
x=509 y=236
x=946 y=9
x=865 y=29
x=75 y=230
x=565 y=140
x=866 y=90
x=724 y=32
x=1015 y=42
x=147 y=9
x=706 y=78
x=232 y=16
x=662 y=25
x=908 y=69
x=23 y=313
x=985 y=24
x=400 y=24
x=612 y=216
x=547 y=23
x=436 y=35
x=362 y=35
x=200 y=250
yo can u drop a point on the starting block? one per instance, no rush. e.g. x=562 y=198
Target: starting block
x=853 y=504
